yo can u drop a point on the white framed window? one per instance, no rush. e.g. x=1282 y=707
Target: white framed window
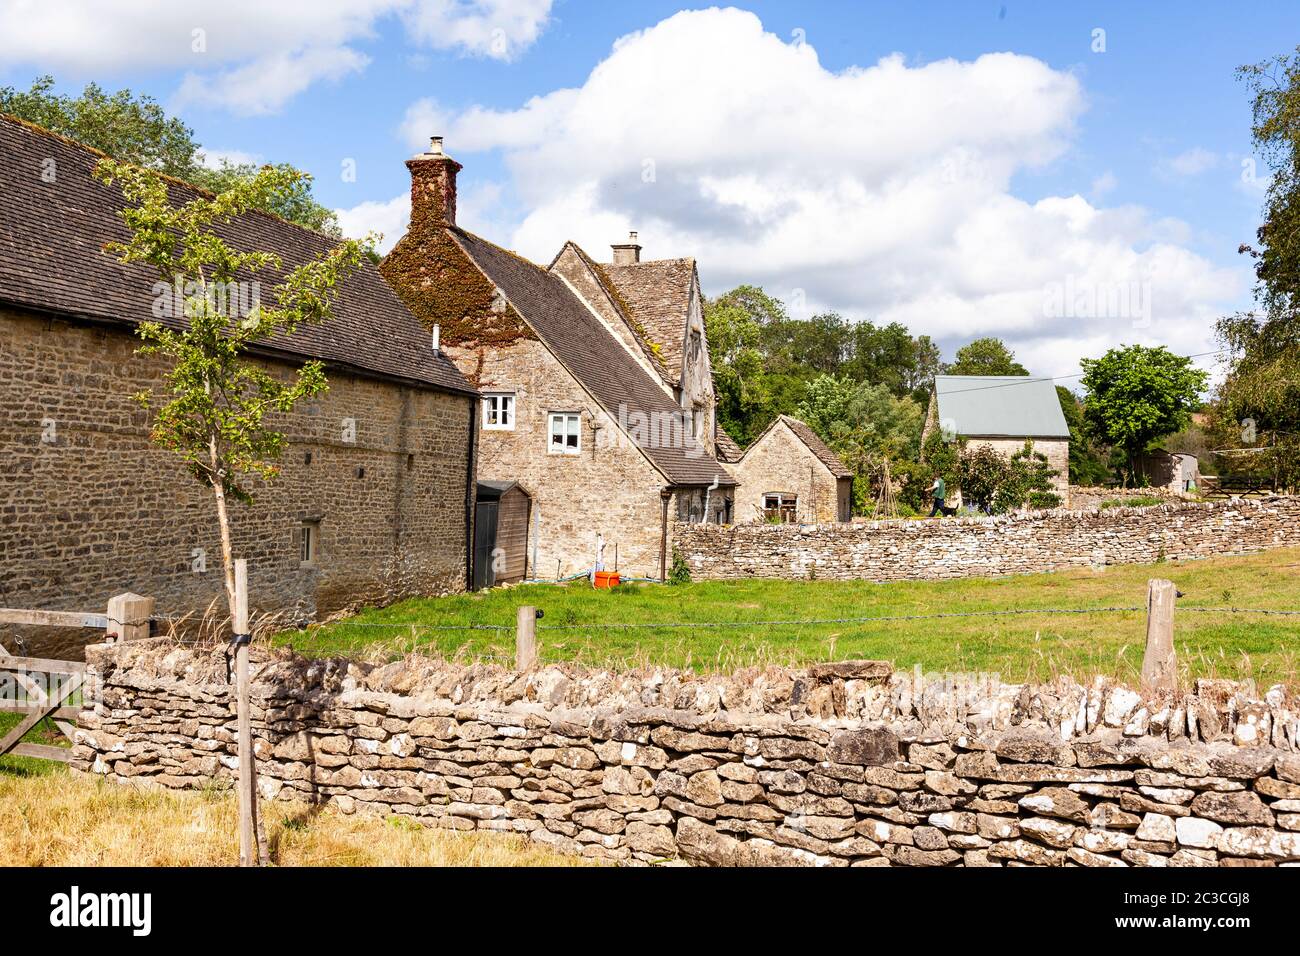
x=564 y=433
x=499 y=411
x=308 y=543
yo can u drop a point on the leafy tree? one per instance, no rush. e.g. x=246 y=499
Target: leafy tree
x=222 y=403
x=987 y=356
x=732 y=323
x=866 y=425
x=135 y=129
x=132 y=129
x=294 y=204
x=1257 y=408
x=939 y=459
x=1138 y=395
x=1087 y=460
x=997 y=483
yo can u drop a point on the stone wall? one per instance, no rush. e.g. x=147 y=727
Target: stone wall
x=609 y=488
x=836 y=764
x=1008 y=544
x=89 y=507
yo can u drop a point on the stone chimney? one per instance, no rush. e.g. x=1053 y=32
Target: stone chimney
x=433 y=186
x=627 y=253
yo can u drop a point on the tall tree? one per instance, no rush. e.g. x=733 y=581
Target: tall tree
x=219 y=415
x=1138 y=395
x=1087 y=459
x=135 y=129
x=987 y=356
x=1257 y=408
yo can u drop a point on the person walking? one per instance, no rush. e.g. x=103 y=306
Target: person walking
x=939 y=491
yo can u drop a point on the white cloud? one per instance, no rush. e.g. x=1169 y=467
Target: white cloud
x=1103 y=184
x=881 y=191
x=1189 y=163
x=264 y=85
x=479 y=209
x=250 y=56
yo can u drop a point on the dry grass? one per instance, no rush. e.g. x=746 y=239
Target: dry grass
x=62 y=819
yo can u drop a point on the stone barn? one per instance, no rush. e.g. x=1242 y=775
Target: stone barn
x=789 y=474
x=1002 y=411
x=376 y=494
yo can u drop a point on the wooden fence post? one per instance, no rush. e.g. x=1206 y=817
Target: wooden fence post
x=128 y=616
x=248 y=843
x=525 y=637
x=1159 y=663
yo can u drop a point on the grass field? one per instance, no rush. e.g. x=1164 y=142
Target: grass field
x=52 y=818
x=1030 y=644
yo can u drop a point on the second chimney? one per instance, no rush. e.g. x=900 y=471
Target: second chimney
x=627 y=253
x=433 y=186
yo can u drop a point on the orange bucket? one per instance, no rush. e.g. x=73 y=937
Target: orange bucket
x=606 y=579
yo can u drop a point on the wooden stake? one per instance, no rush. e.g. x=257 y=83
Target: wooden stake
x=1159 y=663
x=128 y=616
x=248 y=842
x=525 y=637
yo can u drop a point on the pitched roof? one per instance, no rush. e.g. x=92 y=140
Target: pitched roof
x=726 y=446
x=593 y=356
x=51 y=260
x=659 y=294
x=1015 y=406
x=816 y=446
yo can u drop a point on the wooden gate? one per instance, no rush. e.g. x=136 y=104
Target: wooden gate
x=40 y=688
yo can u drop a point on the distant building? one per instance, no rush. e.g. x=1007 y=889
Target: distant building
x=788 y=474
x=1002 y=412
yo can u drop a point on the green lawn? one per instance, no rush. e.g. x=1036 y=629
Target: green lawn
x=43 y=733
x=1024 y=645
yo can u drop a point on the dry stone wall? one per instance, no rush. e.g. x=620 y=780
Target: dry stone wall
x=837 y=764
x=1007 y=544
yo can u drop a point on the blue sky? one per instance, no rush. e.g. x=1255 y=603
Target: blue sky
x=962 y=199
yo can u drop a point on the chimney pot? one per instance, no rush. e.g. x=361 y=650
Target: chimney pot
x=435 y=145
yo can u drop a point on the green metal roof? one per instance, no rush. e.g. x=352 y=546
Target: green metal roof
x=1014 y=406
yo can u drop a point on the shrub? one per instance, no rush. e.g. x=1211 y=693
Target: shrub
x=680 y=572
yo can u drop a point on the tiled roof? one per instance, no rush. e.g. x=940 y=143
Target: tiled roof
x=659 y=294
x=592 y=355
x=726 y=446
x=816 y=446
x=52 y=260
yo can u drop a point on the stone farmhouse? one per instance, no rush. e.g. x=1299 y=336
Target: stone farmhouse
x=788 y=474
x=1002 y=411
x=597 y=398
x=375 y=497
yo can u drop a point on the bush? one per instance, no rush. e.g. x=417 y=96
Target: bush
x=1137 y=501
x=680 y=572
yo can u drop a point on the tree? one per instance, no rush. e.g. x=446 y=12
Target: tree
x=222 y=403
x=135 y=129
x=1257 y=406
x=732 y=324
x=986 y=356
x=1087 y=460
x=1138 y=395
x=996 y=483
x=866 y=425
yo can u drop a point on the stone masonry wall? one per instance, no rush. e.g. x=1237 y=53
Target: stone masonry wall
x=90 y=508
x=610 y=488
x=1007 y=544
x=836 y=764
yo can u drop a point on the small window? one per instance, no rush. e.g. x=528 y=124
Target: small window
x=780 y=507
x=499 y=411
x=696 y=347
x=308 y=543
x=565 y=433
